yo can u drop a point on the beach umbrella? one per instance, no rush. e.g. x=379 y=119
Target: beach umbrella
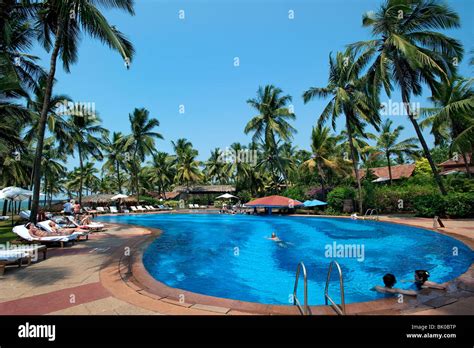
x=119 y=196
x=15 y=194
x=313 y=203
x=226 y=196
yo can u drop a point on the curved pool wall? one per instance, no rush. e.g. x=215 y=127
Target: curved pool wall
x=230 y=256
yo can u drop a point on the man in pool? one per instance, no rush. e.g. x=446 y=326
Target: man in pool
x=274 y=237
x=389 y=281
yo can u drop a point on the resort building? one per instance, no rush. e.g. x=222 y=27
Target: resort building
x=457 y=164
x=382 y=173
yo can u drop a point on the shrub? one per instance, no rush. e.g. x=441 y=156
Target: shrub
x=171 y=204
x=295 y=192
x=429 y=205
x=337 y=196
x=459 y=204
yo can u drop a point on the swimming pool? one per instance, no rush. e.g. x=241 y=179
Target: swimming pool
x=230 y=256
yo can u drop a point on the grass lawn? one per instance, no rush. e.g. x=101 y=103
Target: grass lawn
x=6 y=233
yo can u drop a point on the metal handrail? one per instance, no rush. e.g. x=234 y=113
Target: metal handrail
x=305 y=309
x=376 y=212
x=366 y=212
x=340 y=309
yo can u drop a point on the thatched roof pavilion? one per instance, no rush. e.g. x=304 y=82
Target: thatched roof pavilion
x=105 y=199
x=204 y=189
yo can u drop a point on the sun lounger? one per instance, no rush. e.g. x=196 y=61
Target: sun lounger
x=101 y=210
x=139 y=207
x=113 y=209
x=3 y=218
x=149 y=207
x=12 y=256
x=134 y=209
x=94 y=226
x=22 y=232
x=25 y=214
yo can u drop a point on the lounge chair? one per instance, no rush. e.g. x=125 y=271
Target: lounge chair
x=101 y=210
x=139 y=207
x=93 y=226
x=45 y=226
x=12 y=256
x=149 y=207
x=3 y=218
x=22 y=232
x=113 y=209
x=25 y=214
x=134 y=209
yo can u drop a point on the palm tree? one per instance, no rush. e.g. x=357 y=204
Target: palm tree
x=87 y=138
x=388 y=145
x=271 y=124
x=452 y=115
x=115 y=158
x=322 y=146
x=161 y=172
x=187 y=169
x=141 y=142
x=409 y=51
x=349 y=98
x=216 y=169
x=59 y=24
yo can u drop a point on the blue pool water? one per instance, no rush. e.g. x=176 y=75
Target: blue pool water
x=229 y=255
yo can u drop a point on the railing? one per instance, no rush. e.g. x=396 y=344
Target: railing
x=369 y=214
x=305 y=308
x=339 y=308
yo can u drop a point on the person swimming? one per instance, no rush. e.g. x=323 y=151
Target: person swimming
x=274 y=237
x=422 y=282
x=389 y=281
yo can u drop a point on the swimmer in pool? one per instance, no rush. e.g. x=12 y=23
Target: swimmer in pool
x=389 y=281
x=274 y=237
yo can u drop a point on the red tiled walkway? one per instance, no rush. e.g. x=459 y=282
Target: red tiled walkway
x=54 y=301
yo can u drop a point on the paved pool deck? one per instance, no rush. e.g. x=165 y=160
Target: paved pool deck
x=105 y=276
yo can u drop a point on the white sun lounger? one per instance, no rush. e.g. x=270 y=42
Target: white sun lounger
x=139 y=207
x=12 y=256
x=92 y=226
x=134 y=209
x=25 y=214
x=3 y=218
x=45 y=226
x=113 y=209
x=22 y=232
x=100 y=210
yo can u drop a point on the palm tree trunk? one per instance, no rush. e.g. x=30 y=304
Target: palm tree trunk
x=42 y=123
x=119 y=182
x=389 y=167
x=468 y=170
x=81 y=177
x=5 y=206
x=355 y=164
x=321 y=175
x=426 y=150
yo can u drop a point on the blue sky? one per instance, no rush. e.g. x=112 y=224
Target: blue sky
x=190 y=62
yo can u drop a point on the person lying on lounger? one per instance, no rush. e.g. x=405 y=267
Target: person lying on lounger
x=35 y=231
x=56 y=230
x=389 y=281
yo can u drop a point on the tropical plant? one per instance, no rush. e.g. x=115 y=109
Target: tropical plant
x=59 y=24
x=388 y=145
x=349 y=98
x=408 y=51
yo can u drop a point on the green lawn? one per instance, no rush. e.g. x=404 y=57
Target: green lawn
x=6 y=233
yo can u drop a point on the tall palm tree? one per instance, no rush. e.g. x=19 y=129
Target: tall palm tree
x=271 y=124
x=348 y=98
x=141 y=142
x=114 y=157
x=408 y=50
x=216 y=169
x=452 y=115
x=59 y=24
x=388 y=145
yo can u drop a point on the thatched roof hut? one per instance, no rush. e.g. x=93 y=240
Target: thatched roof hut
x=105 y=199
x=198 y=189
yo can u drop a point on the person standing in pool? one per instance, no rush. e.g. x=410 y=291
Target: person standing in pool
x=389 y=281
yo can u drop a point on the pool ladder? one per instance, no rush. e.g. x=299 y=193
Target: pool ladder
x=369 y=214
x=305 y=310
